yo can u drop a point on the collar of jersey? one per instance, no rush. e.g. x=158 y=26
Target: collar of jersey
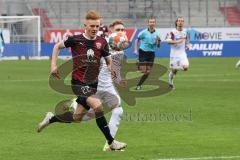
x=88 y=38
x=150 y=31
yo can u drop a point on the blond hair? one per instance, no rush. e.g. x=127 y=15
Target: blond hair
x=117 y=22
x=92 y=15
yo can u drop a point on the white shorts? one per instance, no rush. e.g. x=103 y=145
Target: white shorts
x=178 y=62
x=109 y=96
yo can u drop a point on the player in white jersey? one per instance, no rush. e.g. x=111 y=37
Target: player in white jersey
x=179 y=41
x=105 y=91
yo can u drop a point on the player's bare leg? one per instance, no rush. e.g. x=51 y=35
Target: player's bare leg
x=171 y=76
x=115 y=119
x=66 y=117
x=79 y=113
x=173 y=73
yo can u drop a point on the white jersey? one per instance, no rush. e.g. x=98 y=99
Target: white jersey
x=105 y=78
x=178 y=50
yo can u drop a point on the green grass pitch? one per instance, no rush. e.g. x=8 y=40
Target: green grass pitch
x=208 y=97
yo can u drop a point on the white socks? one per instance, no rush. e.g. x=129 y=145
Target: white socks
x=115 y=120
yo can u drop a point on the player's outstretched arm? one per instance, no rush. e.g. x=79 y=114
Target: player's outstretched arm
x=55 y=53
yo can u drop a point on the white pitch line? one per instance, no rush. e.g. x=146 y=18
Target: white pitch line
x=202 y=158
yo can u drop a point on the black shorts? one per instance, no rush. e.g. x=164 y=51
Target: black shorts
x=146 y=57
x=83 y=91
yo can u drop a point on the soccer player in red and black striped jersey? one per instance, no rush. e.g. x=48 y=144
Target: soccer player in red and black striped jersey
x=87 y=50
x=103 y=30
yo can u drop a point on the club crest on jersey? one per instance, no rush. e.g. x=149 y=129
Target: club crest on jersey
x=90 y=55
x=99 y=45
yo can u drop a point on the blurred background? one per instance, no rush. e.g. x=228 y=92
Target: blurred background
x=199 y=120
x=70 y=13
x=61 y=15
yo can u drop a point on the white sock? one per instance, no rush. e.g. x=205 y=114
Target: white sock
x=170 y=77
x=115 y=120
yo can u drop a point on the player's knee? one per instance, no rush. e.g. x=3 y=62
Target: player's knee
x=185 y=68
x=98 y=109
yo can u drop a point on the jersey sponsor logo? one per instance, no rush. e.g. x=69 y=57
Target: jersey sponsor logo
x=99 y=45
x=90 y=55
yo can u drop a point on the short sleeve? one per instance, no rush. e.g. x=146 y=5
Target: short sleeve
x=140 y=35
x=106 y=52
x=170 y=36
x=69 y=42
